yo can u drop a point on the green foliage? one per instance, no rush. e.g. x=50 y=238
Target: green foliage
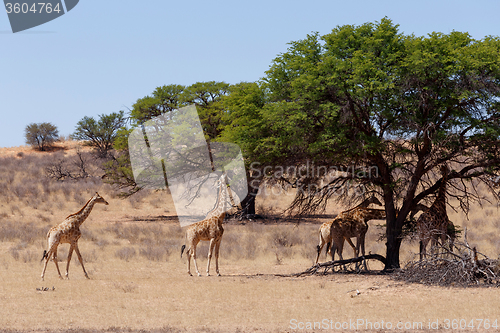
x=102 y=133
x=162 y=100
x=41 y=135
x=119 y=173
x=208 y=98
x=244 y=124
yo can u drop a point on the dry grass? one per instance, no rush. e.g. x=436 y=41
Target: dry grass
x=131 y=250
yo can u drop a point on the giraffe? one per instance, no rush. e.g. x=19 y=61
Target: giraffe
x=354 y=224
x=69 y=232
x=209 y=229
x=451 y=229
x=325 y=236
x=433 y=223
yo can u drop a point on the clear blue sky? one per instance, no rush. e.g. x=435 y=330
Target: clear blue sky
x=104 y=55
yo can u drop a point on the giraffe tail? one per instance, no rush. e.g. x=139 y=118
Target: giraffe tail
x=44 y=255
x=182 y=249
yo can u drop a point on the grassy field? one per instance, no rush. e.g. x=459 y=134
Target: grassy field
x=138 y=281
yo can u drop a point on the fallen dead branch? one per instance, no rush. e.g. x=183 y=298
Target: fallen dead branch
x=323 y=268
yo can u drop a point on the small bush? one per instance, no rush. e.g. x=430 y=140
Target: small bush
x=25 y=232
x=125 y=253
x=89 y=257
x=154 y=253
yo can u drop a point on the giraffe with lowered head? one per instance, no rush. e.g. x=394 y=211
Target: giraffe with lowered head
x=354 y=224
x=209 y=229
x=69 y=232
x=325 y=236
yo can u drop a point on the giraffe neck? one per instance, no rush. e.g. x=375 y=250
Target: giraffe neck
x=220 y=207
x=83 y=213
x=373 y=214
x=364 y=204
x=440 y=201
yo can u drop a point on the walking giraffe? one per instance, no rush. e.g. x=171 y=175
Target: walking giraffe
x=209 y=229
x=325 y=236
x=433 y=222
x=69 y=232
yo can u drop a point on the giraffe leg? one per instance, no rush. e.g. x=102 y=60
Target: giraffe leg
x=189 y=261
x=47 y=258
x=55 y=262
x=338 y=244
x=328 y=249
x=351 y=244
x=193 y=254
x=362 y=240
x=333 y=249
x=340 y=249
x=360 y=245
x=320 y=246
x=81 y=260
x=355 y=249
x=70 y=254
x=435 y=244
x=423 y=248
x=217 y=247
x=318 y=249
x=210 y=252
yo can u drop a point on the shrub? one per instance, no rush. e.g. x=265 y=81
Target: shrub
x=125 y=253
x=41 y=135
x=102 y=133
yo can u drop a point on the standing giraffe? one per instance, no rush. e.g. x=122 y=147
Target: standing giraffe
x=69 y=232
x=433 y=223
x=325 y=236
x=209 y=229
x=354 y=224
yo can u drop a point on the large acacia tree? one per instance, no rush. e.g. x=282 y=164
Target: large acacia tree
x=371 y=98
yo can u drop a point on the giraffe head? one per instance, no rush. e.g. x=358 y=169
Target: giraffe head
x=373 y=200
x=99 y=199
x=445 y=171
x=367 y=202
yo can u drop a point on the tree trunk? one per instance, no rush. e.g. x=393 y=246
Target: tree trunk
x=248 y=204
x=393 y=247
x=393 y=232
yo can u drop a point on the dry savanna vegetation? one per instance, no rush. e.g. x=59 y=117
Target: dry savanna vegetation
x=138 y=281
